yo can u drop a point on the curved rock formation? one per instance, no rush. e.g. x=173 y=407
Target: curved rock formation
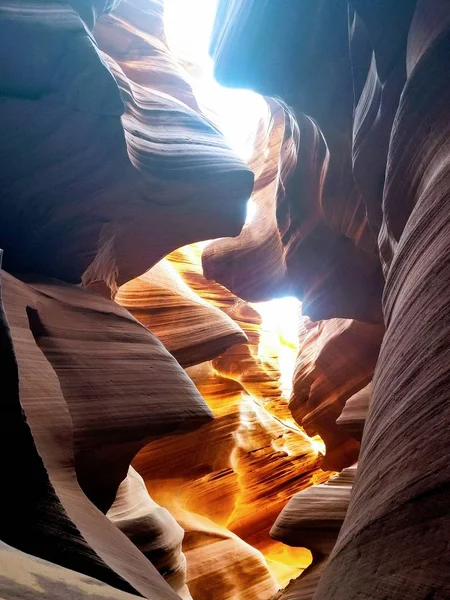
x=256 y=369
x=190 y=328
x=354 y=413
x=396 y=530
x=25 y=576
x=330 y=253
x=336 y=359
x=236 y=482
x=110 y=166
x=290 y=247
x=48 y=322
x=152 y=529
x=111 y=180
x=313 y=518
x=69 y=325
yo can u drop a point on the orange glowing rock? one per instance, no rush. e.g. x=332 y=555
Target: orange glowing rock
x=313 y=518
x=236 y=481
x=190 y=328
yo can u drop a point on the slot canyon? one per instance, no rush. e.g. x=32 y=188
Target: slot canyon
x=223 y=308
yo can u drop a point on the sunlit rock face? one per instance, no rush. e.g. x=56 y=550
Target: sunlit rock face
x=190 y=328
x=227 y=491
x=152 y=529
x=162 y=435
x=313 y=518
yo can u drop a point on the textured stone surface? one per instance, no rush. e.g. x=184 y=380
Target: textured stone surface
x=394 y=542
x=336 y=359
x=354 y=413
x=152 y=529
x=48 y=321
x=24 y=576
x=234 y=483
x=190 y=328
x=313 y=518
x=291 y=247
x=107 y=179
x=109 y=165
x=329 y=253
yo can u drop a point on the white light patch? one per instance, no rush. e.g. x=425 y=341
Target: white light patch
x=188 y=26
x=280 y=321
x=251 y=211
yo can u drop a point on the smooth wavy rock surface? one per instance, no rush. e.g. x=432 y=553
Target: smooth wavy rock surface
x=152 y=529
x=394 y=541
x=290 y=247
x=48 y=322
x=111 y=180
x=235 y=482
x=313 y=518
x=25 y=576
x=254 y=367
x=119 y=397
x=336 y=359
x=328 y=252
x=354 y=413
x=190 y=328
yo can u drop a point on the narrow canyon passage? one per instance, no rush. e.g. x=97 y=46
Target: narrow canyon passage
x=223 y=299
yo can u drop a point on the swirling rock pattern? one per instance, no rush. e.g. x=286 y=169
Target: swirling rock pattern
x=396 y=530
x=102 y=207
x=319 y=213
x=233 y=484
x=190 y=328
x=48 y=322
x=108 y=164
x=290 y=247
x=336 y=359
x=313 y=518
x=56 y=509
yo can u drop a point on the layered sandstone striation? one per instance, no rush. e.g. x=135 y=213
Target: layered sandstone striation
x=313 y=518
x=397 y=522
x=110 y=180
x=354 y=414
x=190 y=328
x=25 y=576
x=156 y=439
x=336 y=358
x=390 y=109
